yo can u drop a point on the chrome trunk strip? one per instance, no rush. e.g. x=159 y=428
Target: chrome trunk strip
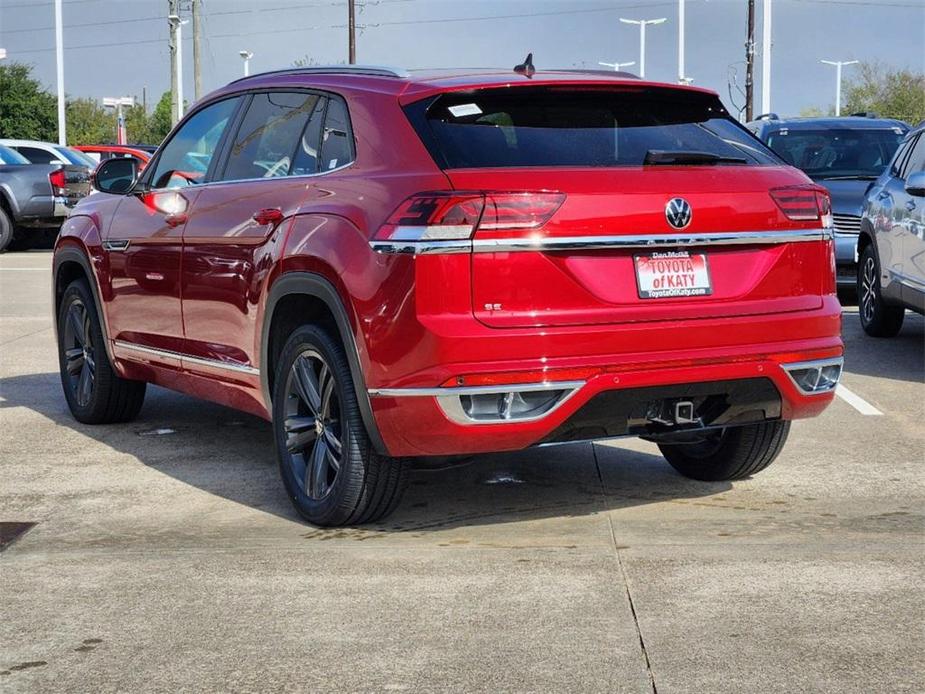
x=578 y=243
x=165 y=353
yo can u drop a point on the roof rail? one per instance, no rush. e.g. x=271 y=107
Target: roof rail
x=865 y=114
x=768 y=116
x=369 y=70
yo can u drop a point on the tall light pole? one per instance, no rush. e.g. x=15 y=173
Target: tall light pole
x=766 y=57
x=838 y=66
x=118 y=103
x=246 y=55
x=617 y=66
x=682 y=76
x=178 y=24
x=59 y=56
x=643 y=23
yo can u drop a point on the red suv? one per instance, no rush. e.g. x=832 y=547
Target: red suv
x=390 y=265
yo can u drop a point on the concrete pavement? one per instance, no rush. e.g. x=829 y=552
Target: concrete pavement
x=165 y=556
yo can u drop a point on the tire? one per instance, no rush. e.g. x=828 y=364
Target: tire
x=731 y=454
x=878 y=318
x=95 y=393
x=331 y=472
x=6 y=230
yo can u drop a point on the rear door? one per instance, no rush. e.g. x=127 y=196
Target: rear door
x=912 y=212
x=264 y=177
x=627 y=161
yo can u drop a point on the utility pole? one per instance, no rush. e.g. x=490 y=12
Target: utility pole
x=351 y=32
x=838 y=66
x=177 y=26
x=643 y=23
x=750 y=63
x=197 y=50
x=173 y=10
x=766 y=57
x=59 y=55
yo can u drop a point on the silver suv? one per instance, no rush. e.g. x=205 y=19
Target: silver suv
x=891 y=247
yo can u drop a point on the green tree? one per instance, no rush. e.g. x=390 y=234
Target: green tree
x=88 y=123
x=137 y=124
x=26 y=110
x=159 y=123
x=816 y=112
x=888 y=92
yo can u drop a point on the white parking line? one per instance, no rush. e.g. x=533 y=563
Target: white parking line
x=23 y=269
x=856 y=401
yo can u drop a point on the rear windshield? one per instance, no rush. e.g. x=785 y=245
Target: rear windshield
x=837 y=153
x=73 y=156
x=579 y=128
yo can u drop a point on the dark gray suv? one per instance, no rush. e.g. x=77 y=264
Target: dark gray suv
x=891 y=244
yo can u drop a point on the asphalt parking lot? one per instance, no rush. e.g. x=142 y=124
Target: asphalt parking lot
x=165 y=556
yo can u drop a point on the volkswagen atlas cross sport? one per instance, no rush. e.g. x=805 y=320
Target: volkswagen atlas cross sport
x=390 y=265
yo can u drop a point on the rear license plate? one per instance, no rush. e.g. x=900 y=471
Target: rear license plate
x=672 y=273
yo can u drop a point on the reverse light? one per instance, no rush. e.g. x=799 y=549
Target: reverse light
x=58 y=180
x=804 y=203
x=449 y=216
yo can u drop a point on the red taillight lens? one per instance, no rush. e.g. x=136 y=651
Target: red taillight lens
x=58 y=180
x=457 y=216
x=804 y=203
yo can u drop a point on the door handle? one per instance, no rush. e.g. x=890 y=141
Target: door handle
x=175 y=220
x=268 y=215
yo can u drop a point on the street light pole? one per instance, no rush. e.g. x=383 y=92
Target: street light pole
x=178 y=23
x=118 y=103
x=766 y=57
x=642 y=23
x=838 y=66
x=246 y=55
x=59 y=56
x=681 y=74
x=617 y=66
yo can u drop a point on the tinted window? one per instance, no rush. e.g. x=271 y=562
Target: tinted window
x=11 y=156
x=268 y=139
x=307 y=159
x=337 y=138
x=73 y=156
x=916 y=160
x=900 y=157
x=836 y=153
x=185 y=159
x=582 y=127
x=39 y=156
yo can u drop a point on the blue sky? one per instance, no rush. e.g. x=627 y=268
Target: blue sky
x=117 y=47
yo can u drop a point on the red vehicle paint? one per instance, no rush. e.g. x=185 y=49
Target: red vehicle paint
x=479 y=283
x=105 y=152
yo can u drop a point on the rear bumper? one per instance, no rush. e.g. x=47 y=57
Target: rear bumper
x=413 y=420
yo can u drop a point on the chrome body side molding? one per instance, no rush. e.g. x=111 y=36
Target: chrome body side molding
x=200 y=361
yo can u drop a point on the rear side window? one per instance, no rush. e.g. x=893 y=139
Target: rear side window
x=579 y=127
x=269 y=139
x=916 y=160
x=337 y=138
x=38 y=156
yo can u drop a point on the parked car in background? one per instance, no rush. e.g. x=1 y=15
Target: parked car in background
x=36 y=198
x=390 y=265
x=38 y=152
x=100 y=153
x=891 y=246
x=843 y=154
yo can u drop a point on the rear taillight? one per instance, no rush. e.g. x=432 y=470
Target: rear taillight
x=804 y=203
x=445 y=216
x=58 y=181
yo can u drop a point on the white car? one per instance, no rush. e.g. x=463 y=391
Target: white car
x=38 y=152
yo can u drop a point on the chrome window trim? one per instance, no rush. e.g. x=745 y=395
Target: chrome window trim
x=212 y=363
x=815 y=363
x=448 y=398
x=635 y=241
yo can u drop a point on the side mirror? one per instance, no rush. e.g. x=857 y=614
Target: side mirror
x=116 y=176
x=915 y=184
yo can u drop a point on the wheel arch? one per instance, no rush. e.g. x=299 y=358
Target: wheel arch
x=72 y=262
x=298 y=297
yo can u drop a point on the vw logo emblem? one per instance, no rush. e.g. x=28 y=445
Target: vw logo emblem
x=678 y=213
